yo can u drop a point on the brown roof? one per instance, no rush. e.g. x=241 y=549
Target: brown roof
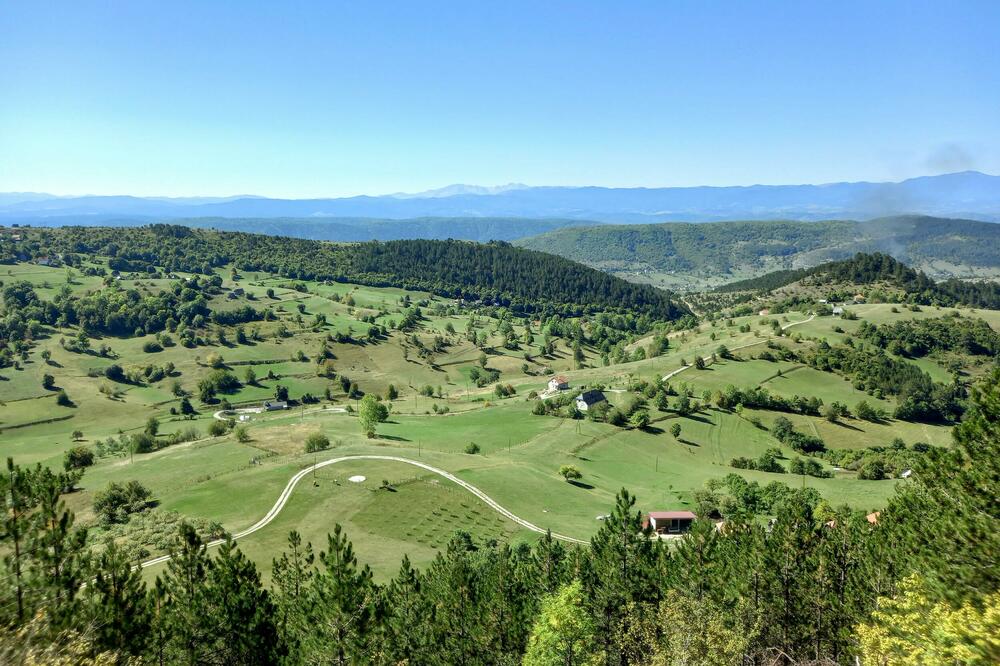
x=873 y=517
x=672 y=515
x=561 y=379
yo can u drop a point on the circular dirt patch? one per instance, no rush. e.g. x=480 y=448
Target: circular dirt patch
x=356 y=479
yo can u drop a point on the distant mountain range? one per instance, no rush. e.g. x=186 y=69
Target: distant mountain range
x=968 y=194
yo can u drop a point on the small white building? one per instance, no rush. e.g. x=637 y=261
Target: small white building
x=559 y=383
x=838 y=310
x=588 y=399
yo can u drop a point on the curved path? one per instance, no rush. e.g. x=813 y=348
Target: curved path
x=286 y=494
x=749 y=344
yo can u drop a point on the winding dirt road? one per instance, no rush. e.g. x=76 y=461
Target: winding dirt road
x=749 y=344
x=286 y=494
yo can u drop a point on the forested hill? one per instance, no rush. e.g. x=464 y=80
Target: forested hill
x=496 y=272
x=865 y=269
x=723 y=248
x=339 y=229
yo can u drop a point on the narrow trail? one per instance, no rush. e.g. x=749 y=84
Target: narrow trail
x=749 y=344
x=286 y=494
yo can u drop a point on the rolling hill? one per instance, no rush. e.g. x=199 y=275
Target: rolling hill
x=701 y=253
x=496 y=272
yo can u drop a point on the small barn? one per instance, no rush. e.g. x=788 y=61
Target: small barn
x=588 y=399
x=671 y=522
x=559 y=383
x=838 y=310
x=275 y=405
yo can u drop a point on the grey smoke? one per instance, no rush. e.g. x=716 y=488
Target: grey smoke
x=951 y=157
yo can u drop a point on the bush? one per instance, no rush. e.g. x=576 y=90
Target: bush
x=151 y=347
x=242 y=434
x=472 y=448
x=570 y=473
x=118 y=501
x=218 y=428
x=873 y=470
x=143 y=442
x=63 y=400
x=78 y=457
x=317 y=441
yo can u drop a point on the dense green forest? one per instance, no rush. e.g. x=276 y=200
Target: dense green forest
x=495 y=272
x=878 y=268
x=722 y=248
x=816 y=585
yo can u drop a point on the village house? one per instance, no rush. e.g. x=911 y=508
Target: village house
x=274 y=405
x=588 y=399
x=670 y=522
x=558 y=383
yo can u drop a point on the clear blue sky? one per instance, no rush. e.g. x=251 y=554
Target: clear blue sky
x=325 y=99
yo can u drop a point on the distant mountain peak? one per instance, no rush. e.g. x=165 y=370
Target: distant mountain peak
x=459 y=189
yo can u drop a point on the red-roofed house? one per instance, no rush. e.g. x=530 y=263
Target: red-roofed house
x=671 y=522
x=558 y=383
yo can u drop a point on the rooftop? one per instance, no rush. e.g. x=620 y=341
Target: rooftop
x=672 y=515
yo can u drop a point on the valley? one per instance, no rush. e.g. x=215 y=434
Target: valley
x=459 y=381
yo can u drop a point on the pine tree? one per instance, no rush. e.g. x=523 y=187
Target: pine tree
x=243 y=614
x=344 y=605
x=949 y=519
x=291 y=576
x=622 y=561
x=409 y=619
x=122 y=615
x=59 y=562
x=183 y=616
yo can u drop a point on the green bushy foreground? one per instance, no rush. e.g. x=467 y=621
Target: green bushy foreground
x=805 y=587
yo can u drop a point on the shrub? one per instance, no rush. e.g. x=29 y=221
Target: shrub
x=873 y=470
x=63 y=400
x=118 y=501
x=472 y=448
x=242 y=434
x=143 y=443
x=152 y=346
x=317 y=441
x=78 y=457
x=570 y=473
x=218 y=428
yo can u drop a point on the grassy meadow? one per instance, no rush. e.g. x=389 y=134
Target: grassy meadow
x=234 y=483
